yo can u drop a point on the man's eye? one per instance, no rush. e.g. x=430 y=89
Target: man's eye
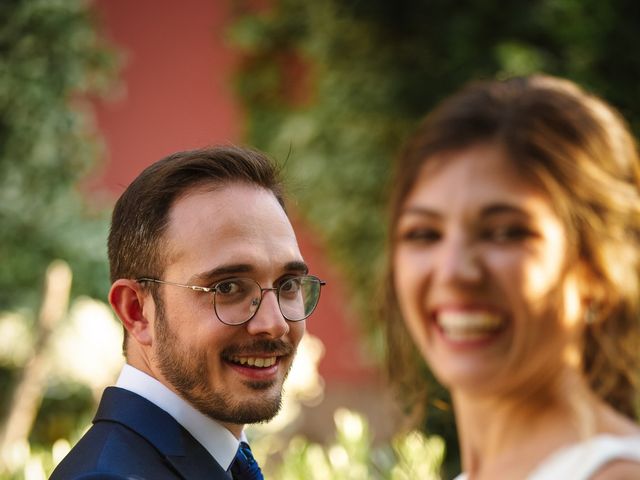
x=228 y=287
x=290 y=285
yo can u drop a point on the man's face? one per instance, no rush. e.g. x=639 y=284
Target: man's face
x=237 y=230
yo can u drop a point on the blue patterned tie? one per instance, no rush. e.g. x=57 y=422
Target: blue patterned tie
x=244 y=466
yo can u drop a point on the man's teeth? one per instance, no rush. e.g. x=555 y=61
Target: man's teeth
x=469 y=325
x=260 y=362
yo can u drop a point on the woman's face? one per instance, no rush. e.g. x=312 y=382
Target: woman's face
x=482 y=275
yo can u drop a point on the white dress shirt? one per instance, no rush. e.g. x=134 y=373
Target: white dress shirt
x=216 y=439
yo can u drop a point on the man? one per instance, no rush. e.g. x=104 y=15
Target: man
x=213 y=294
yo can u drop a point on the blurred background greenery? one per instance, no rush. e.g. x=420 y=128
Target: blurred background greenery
x=332 y=86
x=51 y=59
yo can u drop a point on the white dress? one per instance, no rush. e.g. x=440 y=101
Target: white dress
x=580 y=461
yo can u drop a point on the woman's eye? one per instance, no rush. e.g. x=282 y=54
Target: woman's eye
x=424 y=235
x=508 y=234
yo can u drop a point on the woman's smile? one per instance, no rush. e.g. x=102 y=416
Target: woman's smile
x=468 y=325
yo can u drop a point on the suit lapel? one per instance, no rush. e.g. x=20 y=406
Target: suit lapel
x=186 y=455
x=191 y=467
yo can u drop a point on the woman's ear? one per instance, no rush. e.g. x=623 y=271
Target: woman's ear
x=592 y=291
x=127 y=299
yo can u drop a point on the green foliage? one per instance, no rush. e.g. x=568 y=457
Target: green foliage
x=51 y=59
x=352 y=456
x=66 y=409
x=35 y=461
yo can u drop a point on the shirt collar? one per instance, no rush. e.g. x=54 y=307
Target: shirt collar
x=217 y=440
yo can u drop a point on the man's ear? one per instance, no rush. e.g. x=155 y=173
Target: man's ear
x=127 y=299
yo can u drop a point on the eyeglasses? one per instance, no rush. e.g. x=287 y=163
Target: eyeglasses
x=236 y=300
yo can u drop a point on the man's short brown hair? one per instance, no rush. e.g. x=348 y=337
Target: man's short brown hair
x=141 y=214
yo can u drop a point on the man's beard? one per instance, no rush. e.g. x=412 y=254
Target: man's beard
x=188 y=372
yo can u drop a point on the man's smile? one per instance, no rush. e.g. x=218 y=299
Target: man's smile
x=257 y=362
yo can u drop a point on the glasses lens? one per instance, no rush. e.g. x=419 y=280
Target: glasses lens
x=236 y=300
x=298 y=297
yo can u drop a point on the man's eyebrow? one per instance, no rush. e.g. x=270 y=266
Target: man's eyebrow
x=230 y=269
x=237 y=268
x=297 y=266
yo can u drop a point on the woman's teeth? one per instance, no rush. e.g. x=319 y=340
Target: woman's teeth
x=260 y=362
x=465 y=325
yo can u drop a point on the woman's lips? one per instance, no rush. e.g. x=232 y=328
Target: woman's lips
x=469 y=325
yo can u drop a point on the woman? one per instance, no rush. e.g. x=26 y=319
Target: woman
x=515 y=261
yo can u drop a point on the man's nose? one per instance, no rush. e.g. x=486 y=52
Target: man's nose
x=268 y=320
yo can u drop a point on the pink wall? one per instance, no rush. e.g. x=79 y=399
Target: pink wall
x=176 y=93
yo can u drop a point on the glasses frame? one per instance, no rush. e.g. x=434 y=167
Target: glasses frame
x=213 y=289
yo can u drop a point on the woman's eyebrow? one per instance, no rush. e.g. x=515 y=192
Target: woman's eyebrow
x=421 y=211
x=501 y=209
x=494 y=209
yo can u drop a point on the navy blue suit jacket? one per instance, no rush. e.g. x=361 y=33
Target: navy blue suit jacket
x=131 y=438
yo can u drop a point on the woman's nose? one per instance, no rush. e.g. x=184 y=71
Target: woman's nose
x=458 y=261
